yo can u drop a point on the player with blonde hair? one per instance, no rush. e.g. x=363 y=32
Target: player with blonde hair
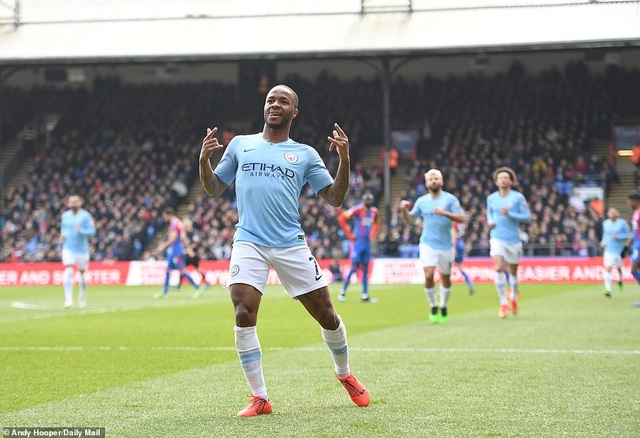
x=438 y=210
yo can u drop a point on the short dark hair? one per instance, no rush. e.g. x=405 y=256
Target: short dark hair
x=296 y=99
x=509 y=170
x=634 y=195
x=170 y=211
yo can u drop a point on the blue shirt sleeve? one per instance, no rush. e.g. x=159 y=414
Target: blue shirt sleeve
x=228 y=165
x=416 y=211
x=521 y=213
x=454 y=205
x=625 y=232
x=87 y=228
x=317 y=175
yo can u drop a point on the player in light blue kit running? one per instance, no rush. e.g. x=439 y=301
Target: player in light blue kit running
x=270 y=171
x=506 y=210
x=438 y=210
x=615 y=234
x=76 y=227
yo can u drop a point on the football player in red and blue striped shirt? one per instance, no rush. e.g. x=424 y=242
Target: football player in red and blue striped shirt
x=365 y=219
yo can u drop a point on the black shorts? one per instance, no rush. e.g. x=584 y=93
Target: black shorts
x=192 y=261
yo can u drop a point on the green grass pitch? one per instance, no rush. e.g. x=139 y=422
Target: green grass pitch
x=567 y=365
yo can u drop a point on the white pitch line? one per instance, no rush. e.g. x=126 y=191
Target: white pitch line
x=360 y=349
x=29 y=306
x=62 y=312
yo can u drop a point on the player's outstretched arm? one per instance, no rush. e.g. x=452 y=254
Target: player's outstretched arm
x=210 y=182
x=335 y=193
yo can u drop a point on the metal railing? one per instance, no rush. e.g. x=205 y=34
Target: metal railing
x=9 y=170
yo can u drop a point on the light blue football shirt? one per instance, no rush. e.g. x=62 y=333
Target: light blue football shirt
x=436 y=229
x=507 y=228
x=77 y=241
x=269 y=178
x=622 y=231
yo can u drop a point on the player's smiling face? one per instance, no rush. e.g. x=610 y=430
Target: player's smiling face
x=279 y=108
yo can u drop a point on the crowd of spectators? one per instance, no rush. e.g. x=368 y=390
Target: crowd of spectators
x=561 y=225
x=542 y=127
x=127 y=150
x=130 y=150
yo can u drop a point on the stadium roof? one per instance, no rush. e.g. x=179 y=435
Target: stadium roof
x=74 y=31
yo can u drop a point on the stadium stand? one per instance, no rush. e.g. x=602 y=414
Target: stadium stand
x=130 y=150
x=543 y=127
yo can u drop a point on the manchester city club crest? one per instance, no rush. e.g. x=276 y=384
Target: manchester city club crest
x=234 y=270
x=291 y=157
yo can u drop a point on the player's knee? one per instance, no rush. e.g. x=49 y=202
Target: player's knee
x=329 y=318
x=246 y=316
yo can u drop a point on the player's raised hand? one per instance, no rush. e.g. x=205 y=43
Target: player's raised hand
x=209 y=145
x=339 y=141
x=404 y=204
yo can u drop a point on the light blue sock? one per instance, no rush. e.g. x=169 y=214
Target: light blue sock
x=501 y=287
x=68 y=284
x=250 y=355
x=336 y=340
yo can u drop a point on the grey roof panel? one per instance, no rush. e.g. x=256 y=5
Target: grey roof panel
x=91 y=34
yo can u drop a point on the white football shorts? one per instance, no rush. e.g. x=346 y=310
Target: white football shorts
x=440 y=258
x=296 y=267
x=79 y=259
x=510 y=252
x=611 y=259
